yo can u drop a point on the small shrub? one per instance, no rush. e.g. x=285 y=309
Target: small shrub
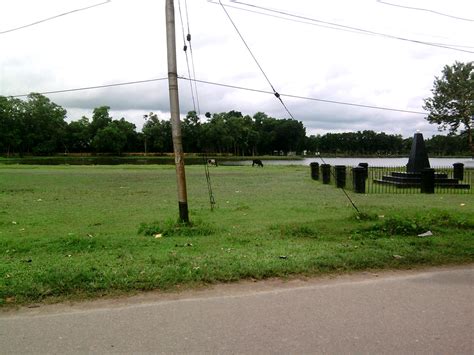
x=412 y=226
x=296 y=231
x=400 y=226
x=172 y=229
x=444 y=219
x=363 y=216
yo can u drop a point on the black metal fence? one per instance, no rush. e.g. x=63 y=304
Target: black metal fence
x=395 y=180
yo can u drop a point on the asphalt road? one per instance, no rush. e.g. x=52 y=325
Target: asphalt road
x=425 y=312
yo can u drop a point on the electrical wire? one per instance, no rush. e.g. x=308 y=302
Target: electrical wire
x=93 y=87
x=231 y=87
x=277 y=95
x=305 y=97
x=343 y=189
x=347 y=28
x=53 y=17
x=211 y=196
x=283 y=18
x=427 y=10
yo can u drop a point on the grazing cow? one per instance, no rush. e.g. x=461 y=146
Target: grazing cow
x=212 y=162
x=257 y=162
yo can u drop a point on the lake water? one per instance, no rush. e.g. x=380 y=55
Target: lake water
x=379 y=162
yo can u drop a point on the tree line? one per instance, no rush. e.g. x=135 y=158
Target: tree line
x=38 y=126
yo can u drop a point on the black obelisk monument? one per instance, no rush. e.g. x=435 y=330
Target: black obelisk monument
x=418 y=159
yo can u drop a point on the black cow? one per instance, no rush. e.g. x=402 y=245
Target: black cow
x=257 y=162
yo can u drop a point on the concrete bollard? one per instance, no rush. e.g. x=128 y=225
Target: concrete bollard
x=326 y=172
x=358 y=174
x=427 y=181
x=458 y=171
x=366 y=169
x=340 y=176
x=314 y=170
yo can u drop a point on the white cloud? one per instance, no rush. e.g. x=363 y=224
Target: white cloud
x=125 y=41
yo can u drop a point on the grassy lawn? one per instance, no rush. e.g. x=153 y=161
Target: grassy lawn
x=72 y=232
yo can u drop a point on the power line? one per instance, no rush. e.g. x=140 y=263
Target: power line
x=284 y=18
x=453 y=45
x=306 y=22
x=54 y=17
x=359 y=30
x=342 y=188
x=427 y=10
x=231 y=87
x=94 y=87
x=306 y=97
x=345 y=27
x=277 y=95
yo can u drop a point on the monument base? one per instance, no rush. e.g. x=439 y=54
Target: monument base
x=413 y=180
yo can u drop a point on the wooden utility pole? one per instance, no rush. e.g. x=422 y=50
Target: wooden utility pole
x=174 y=108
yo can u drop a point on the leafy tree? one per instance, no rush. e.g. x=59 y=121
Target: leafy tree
x=452 y=104
x=313 y=143
x=100 y=119
x=109 y=140
x=78 y=137
x=290 y=135
x=216 y=135
x=117 y=137
x=265 y=127
x=41 y=126
x=128 y=129
x=150 y=119
x=191 y=130
x=452 y=144
x=10 y=111
x=37 y=126
x=238 y=127
x=365 y=142
x=157 y=134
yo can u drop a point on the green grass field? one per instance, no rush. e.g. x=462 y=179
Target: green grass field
x=72 y=232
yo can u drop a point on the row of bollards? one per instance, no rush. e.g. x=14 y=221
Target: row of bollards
x=359 y=173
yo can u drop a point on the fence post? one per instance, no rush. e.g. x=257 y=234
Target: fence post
x=326 y=172
x=458 y=171
x=359 y=179
x=340 y=175
x=427 y=181
x=314 y=170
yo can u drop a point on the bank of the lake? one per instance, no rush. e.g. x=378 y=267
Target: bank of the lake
x=231 y=160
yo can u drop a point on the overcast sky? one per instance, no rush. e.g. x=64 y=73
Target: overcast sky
x=125 y=40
